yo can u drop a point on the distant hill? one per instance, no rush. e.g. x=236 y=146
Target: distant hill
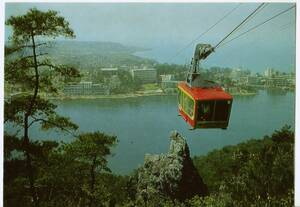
x=94 y=55
x=91 y=48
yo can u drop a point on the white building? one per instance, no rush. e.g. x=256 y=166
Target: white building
x=270 y=72
x=85 y=88
x=167 y=77
x=145 y=75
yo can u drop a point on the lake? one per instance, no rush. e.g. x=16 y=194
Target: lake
x=143 y=124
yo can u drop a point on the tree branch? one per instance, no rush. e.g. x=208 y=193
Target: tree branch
x=54 y=124
x=34 y=121
x=11 y=50
x=32 y=56
x=37 y=55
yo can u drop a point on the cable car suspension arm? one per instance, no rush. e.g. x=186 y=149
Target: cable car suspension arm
x=202 y=51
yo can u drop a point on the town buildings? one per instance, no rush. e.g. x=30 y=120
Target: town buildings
x=145 y=75
x=85 y=88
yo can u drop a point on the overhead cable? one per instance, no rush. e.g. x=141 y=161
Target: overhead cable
x=238 y=26
x=203 y=33
x=260 y=24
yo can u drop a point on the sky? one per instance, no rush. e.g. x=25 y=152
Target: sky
x=166 y=28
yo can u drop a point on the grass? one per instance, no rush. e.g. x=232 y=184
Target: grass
x=150 y=86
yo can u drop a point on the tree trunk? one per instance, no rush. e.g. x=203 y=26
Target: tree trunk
x=92 y=183
x=28 y=162
x=26 y=127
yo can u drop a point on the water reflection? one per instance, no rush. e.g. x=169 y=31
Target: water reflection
x=276 y=92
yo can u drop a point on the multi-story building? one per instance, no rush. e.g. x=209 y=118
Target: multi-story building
x=167 y=77
x=250 y=80
x=145 y=75
x=86 y=84
x=169 y=84
x=168 y=81
x=270 y=72
x=100 y=89
x=275 y=78
x=85 y=88
x=73 y=89
x=238 y=73
x=280 y=81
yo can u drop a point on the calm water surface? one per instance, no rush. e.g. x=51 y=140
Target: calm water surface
x=143 y=124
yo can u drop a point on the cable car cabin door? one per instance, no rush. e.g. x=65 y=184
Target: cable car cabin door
x=213 y=113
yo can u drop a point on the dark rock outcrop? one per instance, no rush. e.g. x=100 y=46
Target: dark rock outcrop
x=171 y=175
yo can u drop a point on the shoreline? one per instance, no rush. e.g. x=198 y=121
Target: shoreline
x=125 y=96
x=244 y=94
x=114 y=96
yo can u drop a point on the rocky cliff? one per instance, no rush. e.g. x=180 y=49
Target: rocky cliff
x=171 y=175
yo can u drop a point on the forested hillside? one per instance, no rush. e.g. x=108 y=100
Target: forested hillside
x=255 y=173
x=94 y=55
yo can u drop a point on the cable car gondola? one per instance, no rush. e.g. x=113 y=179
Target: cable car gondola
x=203 y=103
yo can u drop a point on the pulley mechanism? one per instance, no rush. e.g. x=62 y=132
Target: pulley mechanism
x=194 y=79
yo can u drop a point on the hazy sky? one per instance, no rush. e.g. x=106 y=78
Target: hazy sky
x=167 y=28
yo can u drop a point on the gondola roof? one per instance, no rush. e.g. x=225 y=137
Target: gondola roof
x=210 y=93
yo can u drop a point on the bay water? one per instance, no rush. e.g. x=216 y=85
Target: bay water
x=143 y=124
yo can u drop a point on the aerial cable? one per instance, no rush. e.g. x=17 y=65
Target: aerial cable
x=203 y=33
x=286 y=26
x=260 y=24
x=259 y=10
x=237 y=27
x=251 y=17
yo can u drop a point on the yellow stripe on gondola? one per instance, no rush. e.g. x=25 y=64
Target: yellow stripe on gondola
x=186 y=92
x=182 y=108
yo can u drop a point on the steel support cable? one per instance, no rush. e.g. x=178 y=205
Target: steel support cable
x=260 y=24
x=237 y=27
x=286 y=26
x=203 y=33
x=249 y=19
x=258 y=11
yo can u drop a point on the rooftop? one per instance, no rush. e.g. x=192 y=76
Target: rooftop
x=214 y=93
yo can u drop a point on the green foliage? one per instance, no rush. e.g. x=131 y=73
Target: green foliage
x=150 y=86
x=63 y=172
x=37 y=23
x=27 y=68
x=14 y=109
x=47 y=173
x=28 y=42
x=12 y=143
x=128 y=84
x=58 y=122
x=255 y=172
x=214 y=200
x=16 y=184
x=179 y=71
x=92 y=148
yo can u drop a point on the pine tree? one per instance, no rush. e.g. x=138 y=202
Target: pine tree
x=27 y=67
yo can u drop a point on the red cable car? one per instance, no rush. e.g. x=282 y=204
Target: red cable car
x=203 y=103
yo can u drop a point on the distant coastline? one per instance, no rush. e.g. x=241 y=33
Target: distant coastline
x=131 y=95
x=128 y=95
x=113 y=96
